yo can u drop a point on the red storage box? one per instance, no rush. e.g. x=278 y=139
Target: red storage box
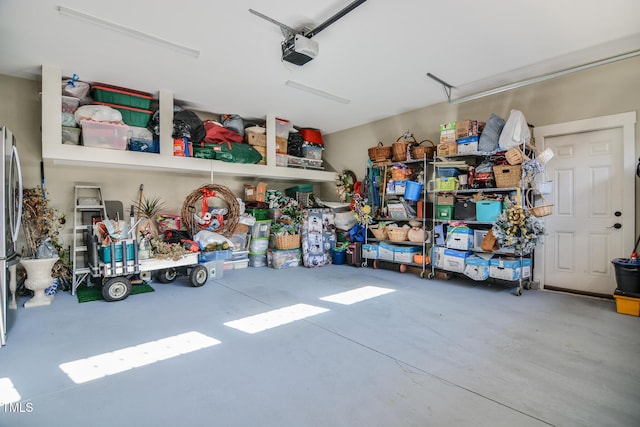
x=312 y=136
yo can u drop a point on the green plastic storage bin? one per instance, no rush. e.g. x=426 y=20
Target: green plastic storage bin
x=444 y=212
x=120 y=96
x=258 y=214
x=132 y=116
x=302 y=188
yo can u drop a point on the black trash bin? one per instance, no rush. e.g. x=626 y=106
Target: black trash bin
x=627 y=275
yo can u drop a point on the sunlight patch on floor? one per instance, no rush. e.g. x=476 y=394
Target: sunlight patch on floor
x=357 y=295
x=101 y=365
x=8 y=393
x=274 y=318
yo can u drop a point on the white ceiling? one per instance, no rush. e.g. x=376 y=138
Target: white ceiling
x=377 y=56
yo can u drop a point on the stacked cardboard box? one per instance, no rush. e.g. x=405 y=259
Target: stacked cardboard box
x=257 y=138
x=467 y=135
x=447 y=145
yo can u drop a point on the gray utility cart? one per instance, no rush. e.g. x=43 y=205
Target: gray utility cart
x=119 y=264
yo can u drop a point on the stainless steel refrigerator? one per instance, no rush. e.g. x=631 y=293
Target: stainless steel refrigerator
x=10 y=216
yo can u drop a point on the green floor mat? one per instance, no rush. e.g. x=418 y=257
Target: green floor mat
x=94 y=293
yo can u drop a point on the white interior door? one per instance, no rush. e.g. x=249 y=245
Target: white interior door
x=594 y=208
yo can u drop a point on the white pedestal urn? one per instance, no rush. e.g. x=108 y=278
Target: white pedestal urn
x=38 y=279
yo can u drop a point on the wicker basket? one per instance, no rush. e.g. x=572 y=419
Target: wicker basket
x=539 y=211
x=507 y=176
x=514 y=156
x=419 y=151
x=398 y=234
x=399 y=174
x=379 y=233
x=287 y=241
x=400 y=147
x=241 y=229
x=380 y=153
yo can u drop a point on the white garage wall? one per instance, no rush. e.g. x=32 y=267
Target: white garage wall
x=601 y=91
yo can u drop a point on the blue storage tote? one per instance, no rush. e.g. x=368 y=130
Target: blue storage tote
x=448 y=172
x=405 y=253
x=221 y=255
x=449 y=259
x=508 y=268
x=488 y=210
x=144 y=145
x=460 y=238
x=369 y=251
x=477 y=267
x=386 y=251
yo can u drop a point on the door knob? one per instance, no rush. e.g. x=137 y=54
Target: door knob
x=617 y=226
x=617 y=213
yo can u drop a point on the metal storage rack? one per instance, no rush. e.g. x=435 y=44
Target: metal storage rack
x=425 y=219
x=522 y=282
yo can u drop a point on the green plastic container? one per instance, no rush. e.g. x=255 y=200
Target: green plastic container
x=120 y=96
x=258 y=214
x=302 y=188
x=132 y=116
x=444 y=212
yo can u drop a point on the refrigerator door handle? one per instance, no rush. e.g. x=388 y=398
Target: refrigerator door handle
x=15 y=223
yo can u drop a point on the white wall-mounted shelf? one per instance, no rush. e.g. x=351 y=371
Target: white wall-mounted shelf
x=56 y=153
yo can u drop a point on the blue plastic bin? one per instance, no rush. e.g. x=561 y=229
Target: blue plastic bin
x=204 y=257
x=338 y=256
x=105 y=252
x=488 y=210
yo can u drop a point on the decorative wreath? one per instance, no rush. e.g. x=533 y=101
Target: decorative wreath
x=345 y=185
x=517 y=229
x=196 y=214
x=361 y=210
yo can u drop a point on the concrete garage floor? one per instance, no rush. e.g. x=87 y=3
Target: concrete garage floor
x=429 y=353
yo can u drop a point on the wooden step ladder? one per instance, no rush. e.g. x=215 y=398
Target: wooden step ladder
x=89 y=206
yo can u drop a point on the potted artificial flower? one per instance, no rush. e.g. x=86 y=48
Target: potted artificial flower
x=41 y=224
x=363 y=213
x=286 y=230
